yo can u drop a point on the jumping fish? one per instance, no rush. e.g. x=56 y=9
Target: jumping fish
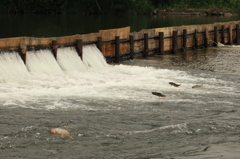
x=61 y=131
x=174 y=84
x=197 y=86
x=158 y=94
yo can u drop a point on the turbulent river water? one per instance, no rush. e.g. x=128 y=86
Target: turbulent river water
x=110 y=110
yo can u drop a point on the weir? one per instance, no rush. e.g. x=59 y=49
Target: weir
x=43 y=61
x=11 y=64
x=69 y=60
x=119 y=44
x=92 y=57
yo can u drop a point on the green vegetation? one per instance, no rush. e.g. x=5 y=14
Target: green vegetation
x=189 y=5
x=114 y=6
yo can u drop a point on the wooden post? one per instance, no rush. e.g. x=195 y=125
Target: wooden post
x=215 y=36
x=145 y=54
x=79 y=47
x=184 y=39
x=99 y=43
x=161 y=42
x=174 y=41
x=206 y=38
x=196 y=38
x=131 y=44
x=230 y=34
x=237 y=33
x=54 y=48
x=223 y=37
x=117 y=49
x=23 y=51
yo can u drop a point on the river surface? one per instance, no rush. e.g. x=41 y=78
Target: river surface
x=65 y=25
x=110 y=110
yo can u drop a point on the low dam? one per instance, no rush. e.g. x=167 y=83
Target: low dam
x=119 y=44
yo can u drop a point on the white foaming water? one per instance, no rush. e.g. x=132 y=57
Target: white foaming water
x=42 y=61
x=92 y=57
x=69 y=60
x=11 y=64
x=121 y=84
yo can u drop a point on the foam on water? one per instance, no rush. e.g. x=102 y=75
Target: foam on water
x=48 y=87
x=226 y=59
x=173 y=129
x=113 y=83
x=190 y=123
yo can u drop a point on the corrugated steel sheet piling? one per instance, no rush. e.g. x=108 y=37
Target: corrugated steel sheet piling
x=196 y=38
x=117 y=49
x=54 y=48
x=175 y=41
x=79 y=47
x=161 y=42
x=131 y=43
x=184 y=39
x=223 y=36
x=205 y=37
x=99 y=43
x=145 y=54
x=230 y=35
x=237 y=33
x=23 y=51
x=215 y=36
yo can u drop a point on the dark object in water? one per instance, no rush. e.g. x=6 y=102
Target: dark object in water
x=206 y=148
x=197 y=86
x=174 y=84
x=158 y=94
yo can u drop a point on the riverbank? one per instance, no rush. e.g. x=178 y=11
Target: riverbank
x=202 y=12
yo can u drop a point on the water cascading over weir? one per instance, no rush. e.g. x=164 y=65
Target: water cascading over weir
x=43 y=62
x=117 y=44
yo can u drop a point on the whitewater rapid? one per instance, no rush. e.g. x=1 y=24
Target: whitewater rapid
x=57 y=82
